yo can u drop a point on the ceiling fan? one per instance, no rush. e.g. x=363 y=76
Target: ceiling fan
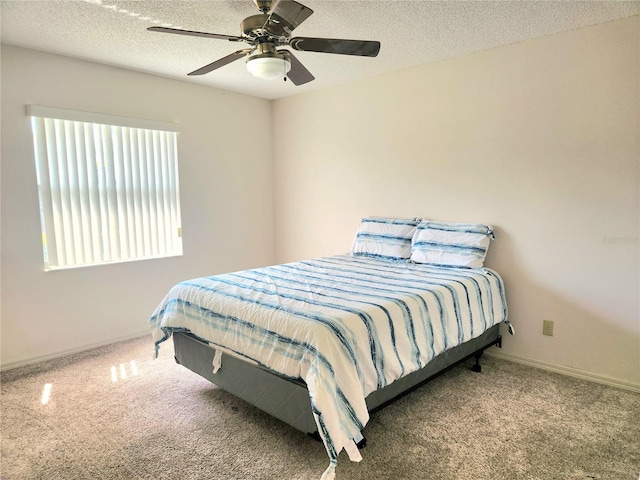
x=270 y=30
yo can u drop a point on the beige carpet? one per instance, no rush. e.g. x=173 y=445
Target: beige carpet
x=158 y=420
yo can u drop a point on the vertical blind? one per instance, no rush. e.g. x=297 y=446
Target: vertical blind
x=108 y=192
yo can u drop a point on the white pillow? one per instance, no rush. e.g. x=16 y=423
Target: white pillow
x=451 y=244
x=388 y=238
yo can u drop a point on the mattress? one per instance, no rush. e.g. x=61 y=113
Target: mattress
x=346 y=326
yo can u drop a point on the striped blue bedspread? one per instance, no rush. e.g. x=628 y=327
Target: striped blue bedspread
x=345 y=325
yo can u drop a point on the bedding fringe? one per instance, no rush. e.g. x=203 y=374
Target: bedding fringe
x=352 y=450
x=512 y=330
x=217 y=361
x=354 y=455
x=329 y=473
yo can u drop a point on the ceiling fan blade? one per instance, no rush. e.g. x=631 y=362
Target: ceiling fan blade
x=298 y=73
x=220 y=62
x=286 y=16
x=362 y=48
x=191 y=33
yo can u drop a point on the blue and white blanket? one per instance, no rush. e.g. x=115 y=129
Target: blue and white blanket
x=345 y=325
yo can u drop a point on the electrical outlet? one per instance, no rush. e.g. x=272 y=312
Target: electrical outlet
x=547 y=327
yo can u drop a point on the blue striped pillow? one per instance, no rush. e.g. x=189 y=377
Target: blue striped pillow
x=388 y=238
x=451 y=244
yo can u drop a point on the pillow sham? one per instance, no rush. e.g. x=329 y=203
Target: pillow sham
x=388 y=238
x=451 y=244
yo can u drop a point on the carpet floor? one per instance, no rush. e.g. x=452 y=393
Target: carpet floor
x=117 y=413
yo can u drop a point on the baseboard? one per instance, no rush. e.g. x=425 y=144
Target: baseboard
x=569 y=371
x=492 y=352
x=44 y=358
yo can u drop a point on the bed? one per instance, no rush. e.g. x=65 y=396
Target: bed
x=323 y=342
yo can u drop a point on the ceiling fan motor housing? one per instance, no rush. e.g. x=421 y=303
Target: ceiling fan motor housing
x=255 y=28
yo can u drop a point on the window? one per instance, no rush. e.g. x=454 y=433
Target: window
x=108 y=188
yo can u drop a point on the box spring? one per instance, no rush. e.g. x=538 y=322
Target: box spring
x=288 y=400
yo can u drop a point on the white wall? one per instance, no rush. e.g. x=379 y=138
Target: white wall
x=540 y=139
x=226 y=193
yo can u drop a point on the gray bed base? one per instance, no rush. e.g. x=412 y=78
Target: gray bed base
x=288 y=400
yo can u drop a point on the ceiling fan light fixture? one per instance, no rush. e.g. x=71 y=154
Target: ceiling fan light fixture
x=268 y=67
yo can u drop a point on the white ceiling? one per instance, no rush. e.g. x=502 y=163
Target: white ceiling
x=411 y=33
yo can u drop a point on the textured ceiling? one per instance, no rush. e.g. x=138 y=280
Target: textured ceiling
x=411 y=33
